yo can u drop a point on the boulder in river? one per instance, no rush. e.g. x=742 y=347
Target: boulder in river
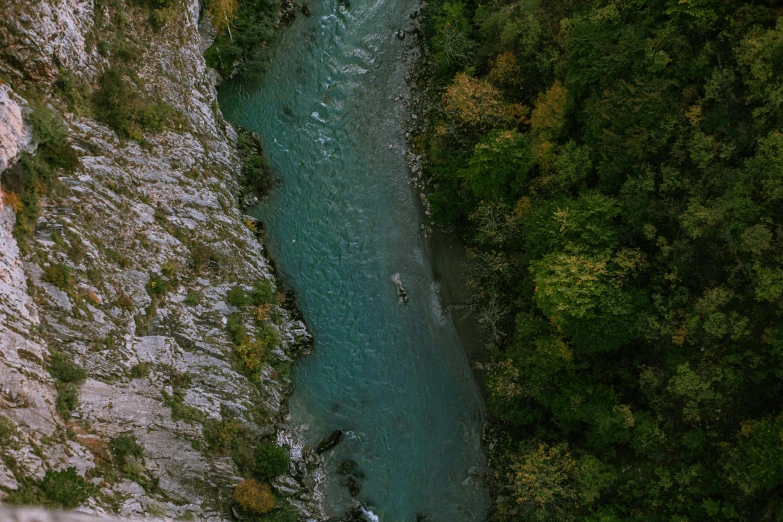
x=329 y=442
x=346 y=467
x=354 y=514
x=354 y=488
x=306 y=10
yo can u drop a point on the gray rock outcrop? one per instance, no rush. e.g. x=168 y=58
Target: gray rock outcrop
x=157 y=369
x=43 y=515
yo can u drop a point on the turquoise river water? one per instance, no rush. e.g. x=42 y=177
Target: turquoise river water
x=341 y=222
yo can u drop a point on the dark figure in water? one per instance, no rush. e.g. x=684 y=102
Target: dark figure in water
x=400 y=290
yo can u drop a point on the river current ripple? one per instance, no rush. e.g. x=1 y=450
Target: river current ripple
x=342 y=221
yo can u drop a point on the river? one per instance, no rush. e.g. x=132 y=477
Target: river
x=341 y=222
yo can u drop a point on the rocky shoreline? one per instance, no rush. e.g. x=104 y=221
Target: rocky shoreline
x=446 y=253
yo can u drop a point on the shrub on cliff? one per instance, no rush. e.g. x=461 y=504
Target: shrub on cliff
x=33 y=176
x=203 y=257
x=28 y=494
x=255 y=497
x=66 y=488
x=256 y=175
x=72 y=90
x=193 y=298
x=157 y=286
x=140 y=370
x=268 y=335
x=262 y=293
x=221 y=436
x=237 y=297
x=271 y=461
x=251 y=354
x=235 y=327
x=284 y=514
x=232 y=437
x=62 y=368
x=30 y=179
x=67 y=398
x=119 y=105
x=161 y=12
x=51 y=134
x=252 y=351
x=181 y=411
x=7 y=430
x=59 y=275
x=124 y=446
x=155 y=4
x=67 y=377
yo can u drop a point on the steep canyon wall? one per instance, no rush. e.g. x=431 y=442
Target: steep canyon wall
x=161 y=209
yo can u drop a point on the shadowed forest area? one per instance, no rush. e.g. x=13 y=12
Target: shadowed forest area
x=616 y=168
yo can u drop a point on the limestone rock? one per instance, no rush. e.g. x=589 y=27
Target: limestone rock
x=15 y=135
x=158 y=367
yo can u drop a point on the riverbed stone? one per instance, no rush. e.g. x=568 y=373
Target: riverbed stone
x=329 y=442
x=354 y=488
x=347 y=466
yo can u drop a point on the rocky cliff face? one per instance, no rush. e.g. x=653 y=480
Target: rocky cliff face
x=126 y=276
x=41 y=515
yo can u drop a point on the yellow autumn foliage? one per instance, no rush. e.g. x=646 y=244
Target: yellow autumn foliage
x=14 y=201
x=254 y=496
x=549 y=114
x=251 y=352
x=505 y=70
x=223 y=13
x=472 y=102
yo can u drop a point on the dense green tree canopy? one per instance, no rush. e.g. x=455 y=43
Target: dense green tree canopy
x=616 y=169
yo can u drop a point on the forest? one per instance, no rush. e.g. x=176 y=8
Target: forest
x=616 y=170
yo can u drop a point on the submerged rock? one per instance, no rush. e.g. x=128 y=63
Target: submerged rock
x=306 y=10
x=329 y=442
x=354 y=514
x=354 y=488
x=346 y=467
